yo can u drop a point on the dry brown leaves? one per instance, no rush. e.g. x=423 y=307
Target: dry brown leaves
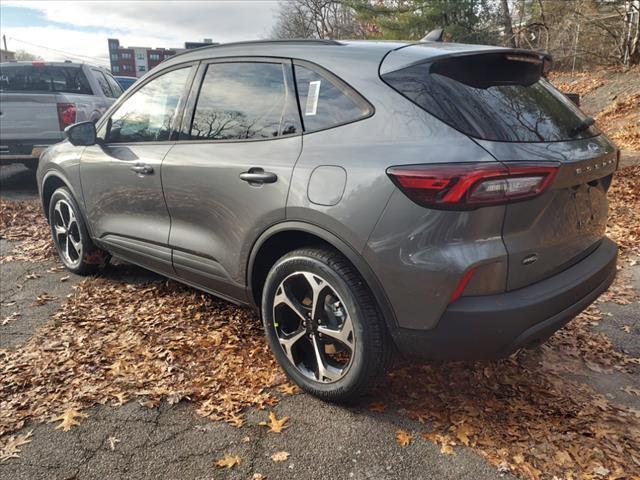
x=112 y=341
x=624 y=210
x=621 y=120
x=580 y=84
x=24 y=222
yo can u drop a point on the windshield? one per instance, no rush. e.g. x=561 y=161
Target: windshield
x=43 y=78
x=492 y=100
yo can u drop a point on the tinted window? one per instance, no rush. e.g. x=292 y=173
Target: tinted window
x=41 y=78
x=326 y=102
x=116 y=89
x=147 y=115
x=104 y=85
x=494 y=103
x=239 y=101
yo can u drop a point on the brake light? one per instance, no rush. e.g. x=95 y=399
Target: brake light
x=66 y=114
x=468 y=186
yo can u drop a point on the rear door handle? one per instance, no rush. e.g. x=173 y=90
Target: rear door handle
x=257 y=175
x=142 y=169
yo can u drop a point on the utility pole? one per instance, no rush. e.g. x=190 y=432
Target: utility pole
x=4 y=40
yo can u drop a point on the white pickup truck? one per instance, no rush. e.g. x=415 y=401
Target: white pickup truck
x=38 y=100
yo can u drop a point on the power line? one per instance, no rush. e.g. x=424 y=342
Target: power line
x=75 y=55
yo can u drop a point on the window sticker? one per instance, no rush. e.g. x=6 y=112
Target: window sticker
x=312 y=98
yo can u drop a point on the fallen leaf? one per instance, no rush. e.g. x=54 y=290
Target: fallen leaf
x=112 y=442
x=446 y=449
x=12 y=448
x=631 y=390
x=228 y=461
x=377 y=407
x=403 y=438
x=280 y=456
x=68 y=419
x=288 y=388
x=462 y=433
x=275 y=425
x=258 y=476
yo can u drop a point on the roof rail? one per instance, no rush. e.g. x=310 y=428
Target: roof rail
x=293 y=41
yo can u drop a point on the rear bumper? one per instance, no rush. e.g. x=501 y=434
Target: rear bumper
x=494 y=326
x=24 y=151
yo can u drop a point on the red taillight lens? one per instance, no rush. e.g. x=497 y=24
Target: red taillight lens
x=472 y=185
x=66 y=115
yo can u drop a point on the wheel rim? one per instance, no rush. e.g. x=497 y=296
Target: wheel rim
x=313 y=327
x=66 y=233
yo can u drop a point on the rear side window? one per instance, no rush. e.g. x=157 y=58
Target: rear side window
x=147 y=115
x=492 y=98
x=245 y=101
x=43 y=78
x=327 y=102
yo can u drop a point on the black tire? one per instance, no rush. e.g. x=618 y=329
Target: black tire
x=371 y=349
x=91 y=258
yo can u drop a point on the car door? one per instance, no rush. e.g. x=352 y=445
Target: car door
x=121 y=181
x=227 y=178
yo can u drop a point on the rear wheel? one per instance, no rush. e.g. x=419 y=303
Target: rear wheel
x=70 y=235
x=323 y=325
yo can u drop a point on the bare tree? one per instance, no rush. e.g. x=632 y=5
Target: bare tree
x=508 y=25
x=316 y=19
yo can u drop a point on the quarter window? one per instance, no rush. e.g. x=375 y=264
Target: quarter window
x=241 y=101
x=147 y=115
x=326 y=101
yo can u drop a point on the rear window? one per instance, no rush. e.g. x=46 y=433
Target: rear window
x=492 y=97
x=45 y=78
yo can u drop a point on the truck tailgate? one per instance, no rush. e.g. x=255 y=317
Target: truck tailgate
x=29 y=116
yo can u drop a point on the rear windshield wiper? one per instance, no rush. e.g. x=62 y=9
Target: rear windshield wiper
x=582 y=126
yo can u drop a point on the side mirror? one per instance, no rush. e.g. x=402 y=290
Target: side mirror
x=81 y=134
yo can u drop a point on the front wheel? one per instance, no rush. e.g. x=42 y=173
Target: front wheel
x=323 y=325
x=70 y=236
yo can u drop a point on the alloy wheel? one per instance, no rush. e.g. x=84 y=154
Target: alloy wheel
x=313 y=327
x=67 y=233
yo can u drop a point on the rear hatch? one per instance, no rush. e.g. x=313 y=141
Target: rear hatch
x=32 y=99
x=501 y=99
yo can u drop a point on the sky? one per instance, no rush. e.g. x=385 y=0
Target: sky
x=78 y=30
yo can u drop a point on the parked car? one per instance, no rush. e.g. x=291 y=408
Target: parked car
x=443 y=200
x=40 y=99
x=125 y=82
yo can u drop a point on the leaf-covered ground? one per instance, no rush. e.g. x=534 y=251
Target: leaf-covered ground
x=112 y=342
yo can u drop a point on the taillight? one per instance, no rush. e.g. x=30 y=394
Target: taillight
x=66 y=114
x=465 y=186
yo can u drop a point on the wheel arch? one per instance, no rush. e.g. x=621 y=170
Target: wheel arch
x=288 y=236
x=50 y=183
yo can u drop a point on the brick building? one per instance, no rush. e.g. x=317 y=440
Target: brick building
x=136 y=61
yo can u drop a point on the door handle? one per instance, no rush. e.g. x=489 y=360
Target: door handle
x=142 y=169
x=258 y=176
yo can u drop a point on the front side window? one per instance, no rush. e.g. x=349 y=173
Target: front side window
x=241 y=101
x=148 y=114
x=116 y=89
x=104 y=85
x=326 y=102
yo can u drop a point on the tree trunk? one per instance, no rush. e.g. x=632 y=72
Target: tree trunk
x=508 y=27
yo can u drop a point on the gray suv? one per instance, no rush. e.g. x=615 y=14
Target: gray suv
x=438 y=199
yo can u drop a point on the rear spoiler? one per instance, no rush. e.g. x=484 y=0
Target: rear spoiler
x=430 y=51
